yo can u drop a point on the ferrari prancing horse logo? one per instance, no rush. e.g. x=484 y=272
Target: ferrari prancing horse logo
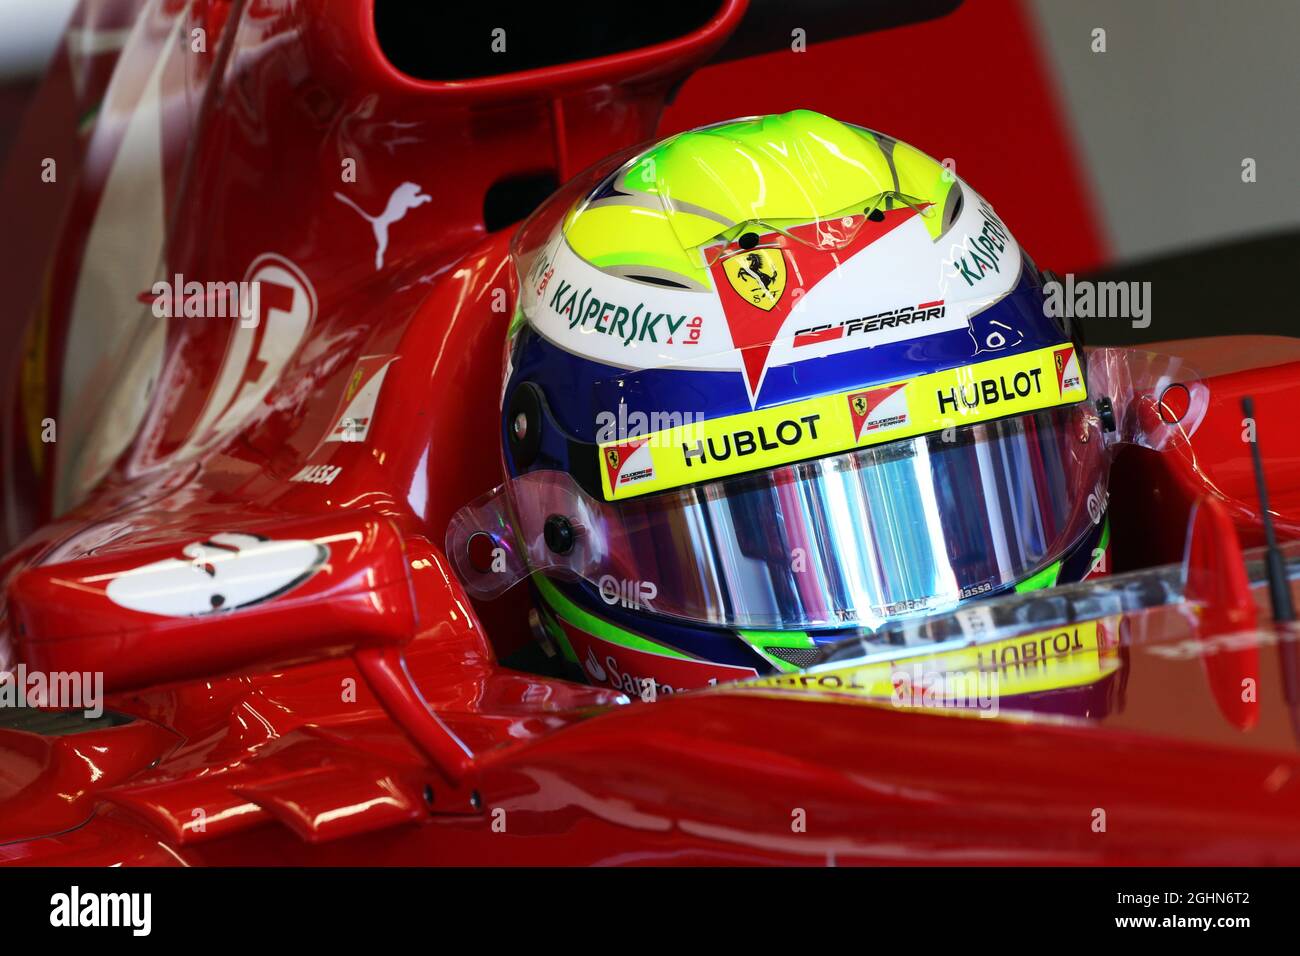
x=758 y=276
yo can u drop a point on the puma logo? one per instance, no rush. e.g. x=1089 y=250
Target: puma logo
x=404 y=198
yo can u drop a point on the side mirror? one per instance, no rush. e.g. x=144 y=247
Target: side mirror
x=197 y=606
x=266 y=594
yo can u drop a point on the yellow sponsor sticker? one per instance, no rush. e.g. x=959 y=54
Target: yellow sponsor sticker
x=1072 y=656
x=831 y=424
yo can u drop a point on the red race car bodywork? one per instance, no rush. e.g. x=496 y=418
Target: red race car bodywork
x=354 y=710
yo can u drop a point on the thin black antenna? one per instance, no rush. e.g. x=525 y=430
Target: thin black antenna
x=1279 y=587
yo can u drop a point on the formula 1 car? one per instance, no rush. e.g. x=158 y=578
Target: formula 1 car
x=231 y=520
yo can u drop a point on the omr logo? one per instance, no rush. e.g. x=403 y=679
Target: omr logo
x=1098 y=501
x=629 y=594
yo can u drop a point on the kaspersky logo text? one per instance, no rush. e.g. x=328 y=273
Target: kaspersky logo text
x=640 y=324
x=982 y=252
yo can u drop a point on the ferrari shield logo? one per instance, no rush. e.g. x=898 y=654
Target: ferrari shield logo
x=757 y=276
x=353 y=385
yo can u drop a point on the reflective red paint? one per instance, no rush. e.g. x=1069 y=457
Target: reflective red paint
x=360 y=714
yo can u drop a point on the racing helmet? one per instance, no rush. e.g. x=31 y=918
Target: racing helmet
x=769 y=383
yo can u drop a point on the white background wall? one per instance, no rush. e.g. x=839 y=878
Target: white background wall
x=29 y=30
x=1184 y=92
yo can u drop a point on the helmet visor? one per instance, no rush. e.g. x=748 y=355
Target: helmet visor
x=848 y=540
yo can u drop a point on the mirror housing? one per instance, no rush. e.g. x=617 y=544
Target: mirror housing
x=268 y=594
x=265 y=594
